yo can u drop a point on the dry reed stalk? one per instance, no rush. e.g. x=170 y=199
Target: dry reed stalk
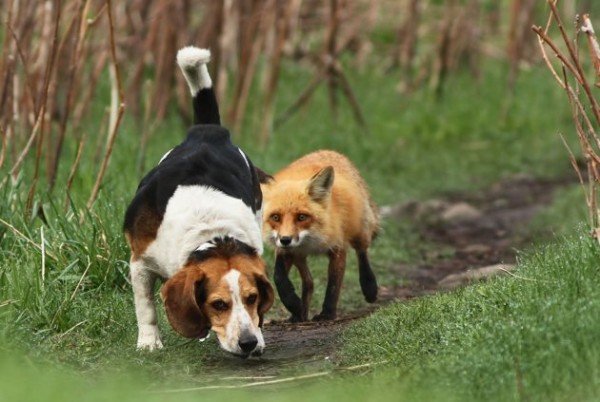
x=6 y=61
x=406 y=41
x=226 y=47
x=347 y=90
x=4 y=146
x=99 y=146
x=54 y=56
x=17 y=166
x=117 y=108
x=441 y=60
x=280 y=36
x=357 y=23
x=166 y=42
x=51 y=63
x=253 y=29
x=521 y=17
x=586 y=131
x=330 y=53
x=73 y=169
x=330 y=70
x=148 y=127
x=75 y=63
x=27 y=78
x=588 y=29
x=83 y=104
x=38 y=128
x=583 y=82
x=300 y=101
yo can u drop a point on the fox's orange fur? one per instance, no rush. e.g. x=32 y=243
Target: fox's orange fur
x=320 y=204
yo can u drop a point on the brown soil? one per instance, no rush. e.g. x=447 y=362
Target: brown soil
x=490 y=236
x=507 y=209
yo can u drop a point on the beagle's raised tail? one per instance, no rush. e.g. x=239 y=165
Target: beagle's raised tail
x=192 y=61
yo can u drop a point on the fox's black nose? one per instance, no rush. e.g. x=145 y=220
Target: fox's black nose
x=285 y=240
x=247 y=343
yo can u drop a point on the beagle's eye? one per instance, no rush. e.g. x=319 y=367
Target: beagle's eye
x=275 y=217
x=301 y=217
x=251 y=299
x=219 y=305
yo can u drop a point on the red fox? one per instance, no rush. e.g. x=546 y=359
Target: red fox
x=319 y=205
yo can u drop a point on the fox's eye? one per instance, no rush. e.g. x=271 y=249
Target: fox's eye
x=219 y=305
x=301 y=217
x=275 y=217
x=251 y=299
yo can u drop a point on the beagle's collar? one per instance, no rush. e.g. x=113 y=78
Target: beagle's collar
x=207 y=245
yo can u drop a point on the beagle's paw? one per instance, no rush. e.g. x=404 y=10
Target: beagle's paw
x=149 y=339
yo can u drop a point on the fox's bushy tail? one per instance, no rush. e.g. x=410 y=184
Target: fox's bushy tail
x=193 y=61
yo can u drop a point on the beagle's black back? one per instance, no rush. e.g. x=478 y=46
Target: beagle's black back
x=206 y=157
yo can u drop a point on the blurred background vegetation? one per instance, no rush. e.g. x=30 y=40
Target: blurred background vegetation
x=71 y=69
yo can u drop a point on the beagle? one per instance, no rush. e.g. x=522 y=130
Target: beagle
x=195 y=222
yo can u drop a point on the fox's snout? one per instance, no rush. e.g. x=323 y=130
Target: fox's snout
x=286 y=241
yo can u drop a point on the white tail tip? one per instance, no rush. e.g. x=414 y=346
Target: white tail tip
x=192 y=61
x=192 y=56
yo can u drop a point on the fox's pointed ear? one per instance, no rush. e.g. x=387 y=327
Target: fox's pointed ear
x=321 y=183
x=183 y=295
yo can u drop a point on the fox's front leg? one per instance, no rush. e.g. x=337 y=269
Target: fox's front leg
x=285 y=288
x=142 y=281
x=307 y=285
x=335 y=276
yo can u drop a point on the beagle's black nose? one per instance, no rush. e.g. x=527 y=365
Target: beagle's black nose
x=285 y=240
x=247 y=343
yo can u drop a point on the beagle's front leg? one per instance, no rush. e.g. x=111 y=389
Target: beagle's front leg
x=142 y=281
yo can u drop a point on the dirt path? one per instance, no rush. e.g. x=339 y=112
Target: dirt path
x=469 y=231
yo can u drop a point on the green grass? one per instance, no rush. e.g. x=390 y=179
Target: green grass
x=564 y=215
x=532 y=335
x=80 y=314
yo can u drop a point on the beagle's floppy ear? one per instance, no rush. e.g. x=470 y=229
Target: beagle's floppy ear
x=266 y=296
x=183 y=295
x=320 y=184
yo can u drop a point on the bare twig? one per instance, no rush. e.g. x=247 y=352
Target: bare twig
x=588 y=29
x=4 y=145
x=44 y=104
x=111 y=141
x=74 y=66
x=17 y=166
x=583 y=82
x=545 y=55
x=117 y=109
x=589 y=140
x=281 y=34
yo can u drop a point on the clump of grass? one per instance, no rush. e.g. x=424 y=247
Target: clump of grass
x=531 y=335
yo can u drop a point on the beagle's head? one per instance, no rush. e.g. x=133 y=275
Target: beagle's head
x=222 y=287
